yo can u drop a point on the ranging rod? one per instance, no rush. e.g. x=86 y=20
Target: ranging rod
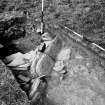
x=42 y=22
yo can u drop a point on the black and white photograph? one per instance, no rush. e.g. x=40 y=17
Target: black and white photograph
x=52 y=52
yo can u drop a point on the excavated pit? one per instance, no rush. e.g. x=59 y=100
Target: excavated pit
x=78 y=78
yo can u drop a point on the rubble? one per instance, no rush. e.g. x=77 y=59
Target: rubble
x=26 y=79
x=35 y=62
x=59 y=65
x=19 y=60
x=35 y=84
x=54 y=48
x=29 y=55
x=64 y=54
x=24 y=68
x=38 y=90
x=12 y=57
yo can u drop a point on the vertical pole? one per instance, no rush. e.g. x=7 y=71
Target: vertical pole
x=42 y=22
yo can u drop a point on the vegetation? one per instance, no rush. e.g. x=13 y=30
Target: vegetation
x=86 y=17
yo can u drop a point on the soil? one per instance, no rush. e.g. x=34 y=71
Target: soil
x=84 y=82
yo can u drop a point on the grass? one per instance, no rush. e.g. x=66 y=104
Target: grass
x=84 y=16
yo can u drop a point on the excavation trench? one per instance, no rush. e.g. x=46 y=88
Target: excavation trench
x=75 y=78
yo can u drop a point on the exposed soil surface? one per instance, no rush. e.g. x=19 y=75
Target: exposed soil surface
x=84 y=80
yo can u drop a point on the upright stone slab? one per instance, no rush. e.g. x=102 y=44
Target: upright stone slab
x=54 y=48
x=44 y=65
